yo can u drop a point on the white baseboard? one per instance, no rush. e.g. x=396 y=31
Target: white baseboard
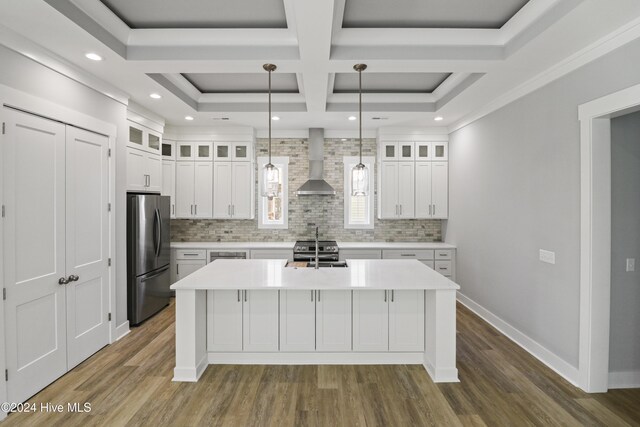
x=442 y=375
x=350 y=358
x=624 y=379
x=190 y=375
x=558 y=365
x=122 y=330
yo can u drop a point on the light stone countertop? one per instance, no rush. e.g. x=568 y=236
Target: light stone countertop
x=359 y=275
x=289 y=245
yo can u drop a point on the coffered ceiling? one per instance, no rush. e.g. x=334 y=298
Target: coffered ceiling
x=425 y=58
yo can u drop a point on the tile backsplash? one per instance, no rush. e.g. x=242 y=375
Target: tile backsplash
x=307 y=211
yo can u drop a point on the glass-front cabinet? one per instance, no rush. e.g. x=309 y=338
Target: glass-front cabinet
x=198 y=151
x=143 y=138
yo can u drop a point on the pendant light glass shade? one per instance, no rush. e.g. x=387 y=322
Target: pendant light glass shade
x=359 y=180
x=270 y=173
x=270 y=181
x=360 y=173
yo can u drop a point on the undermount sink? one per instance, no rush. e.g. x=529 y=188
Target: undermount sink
x=322 y=264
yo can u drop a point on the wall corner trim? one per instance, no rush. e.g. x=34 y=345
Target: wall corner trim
x=551 y=360
x=122 y=330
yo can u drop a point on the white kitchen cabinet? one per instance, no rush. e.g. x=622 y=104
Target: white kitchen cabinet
x=432 y=190
x=432 y=151
x=224 y=320
x=169 y=183
x=370 y=321
x=185 y=267
x=233 y=190
x=260 y=321
x=194 y=189
x=333 y=320
x=406 y=320
x=297 y=320
x=397 y=151
x=143 y=138
x=397 y=190
x=144 y=171
x=388 y=151
x=272 y=254
x=345 y=254
x=168 y=149
x=242 y=152
x=197 y=151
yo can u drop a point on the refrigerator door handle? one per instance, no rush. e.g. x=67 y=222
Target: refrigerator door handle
x=158 y=232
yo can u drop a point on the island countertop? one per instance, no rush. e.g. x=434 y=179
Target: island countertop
x=273 y=274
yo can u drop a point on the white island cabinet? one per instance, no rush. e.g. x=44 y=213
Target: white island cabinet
x=260 y=311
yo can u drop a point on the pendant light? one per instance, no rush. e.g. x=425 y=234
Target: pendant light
x=270 y=173
x=360 y=173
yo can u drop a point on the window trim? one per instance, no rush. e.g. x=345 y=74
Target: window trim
x=349 y=162
x=283 y=164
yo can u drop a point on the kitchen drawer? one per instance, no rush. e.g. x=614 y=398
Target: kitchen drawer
x=421 y=254
x=345 y=254
x=443 y=254
x=191 y=254
x=431 y=264
x=443 y=267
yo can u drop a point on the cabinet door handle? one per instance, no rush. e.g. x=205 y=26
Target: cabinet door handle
x=318 y=296
x=392 y=295
x=63 y=281
x=385 y=296
x=400 y=209
x=233 y=209
x=408 y=255
x=429 y=210
x=191 y=209
x=311 y=296
x=149 y=180
x=245 y=296
x=196 y=209
x=238 y=295
x=177 y=269
x=229 y=210
x=434 y=210
x=173 y=209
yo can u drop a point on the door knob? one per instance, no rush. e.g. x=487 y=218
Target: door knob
x=73 y=278
x=62 y=281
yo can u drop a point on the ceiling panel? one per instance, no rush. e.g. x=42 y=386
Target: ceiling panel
x=243 y=82
x=429 y=13
x=199 y=13
x=389 y=82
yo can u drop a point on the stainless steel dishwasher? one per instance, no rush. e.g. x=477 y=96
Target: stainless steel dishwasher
x=214 y=255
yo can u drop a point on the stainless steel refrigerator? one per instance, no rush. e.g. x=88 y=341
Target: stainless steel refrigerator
x=148 y=278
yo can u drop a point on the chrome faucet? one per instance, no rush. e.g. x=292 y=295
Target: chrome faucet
x=317 y=257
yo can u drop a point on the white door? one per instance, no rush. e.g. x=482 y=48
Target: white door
x=136 y=172
x=87 y=244
x=224 y=320
x=153 y=165
x=440 y=188
x=203 y=190
x=241 y=190
x=333 y=321
x=297 y=320
x=34 y=253
x=406 y=320
x=222 y=190
x=260 y=320
x=186 y=267
x=406 y=189
x=370 y=321
x=169 y=183
x=389 y=190
x=423 y=189
x=184 y=189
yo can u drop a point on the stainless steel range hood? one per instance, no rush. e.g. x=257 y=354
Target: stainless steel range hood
x=316 y=185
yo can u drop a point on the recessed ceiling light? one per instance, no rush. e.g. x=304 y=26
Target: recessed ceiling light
x=188 y=118
x=438 y=119
x=276 y=118
x=352 y=118
x=155 y=96
x=94 y=56
x=343 y=139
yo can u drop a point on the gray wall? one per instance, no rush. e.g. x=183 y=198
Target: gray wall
x=23 y=74
x=624 y=350
x=515 y=189
x=304 y=211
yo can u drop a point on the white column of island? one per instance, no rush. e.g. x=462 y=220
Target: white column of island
x=263 y=312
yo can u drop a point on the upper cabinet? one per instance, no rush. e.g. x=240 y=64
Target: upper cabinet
x=413 y=179
x=168 y=149
x=197 y=151
x=233 y=151
x=144 y=162
x=234 y=180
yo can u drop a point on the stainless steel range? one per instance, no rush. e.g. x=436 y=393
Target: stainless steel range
x=305 y=250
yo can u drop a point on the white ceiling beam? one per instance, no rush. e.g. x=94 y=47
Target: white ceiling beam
x=380 y=98
x=313 y=28
x=416 y=37
x=415 y=66
x=212 y=37
x=282 y=98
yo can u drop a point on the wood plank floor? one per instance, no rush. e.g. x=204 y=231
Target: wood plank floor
x=129 y=383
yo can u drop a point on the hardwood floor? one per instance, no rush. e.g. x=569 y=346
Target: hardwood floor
x=129 y=383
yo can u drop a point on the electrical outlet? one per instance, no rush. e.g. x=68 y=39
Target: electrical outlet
x=547 y=256
x=631 y=264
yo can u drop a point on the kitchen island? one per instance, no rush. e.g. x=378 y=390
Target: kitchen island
x=263 y=312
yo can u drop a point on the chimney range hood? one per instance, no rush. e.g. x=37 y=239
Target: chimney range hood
x=316 y=185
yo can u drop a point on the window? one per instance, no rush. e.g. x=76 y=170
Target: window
x=274 y=213
x=358 y=210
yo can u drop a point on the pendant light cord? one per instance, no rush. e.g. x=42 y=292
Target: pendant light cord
x=360 y=110
x=269 y=116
